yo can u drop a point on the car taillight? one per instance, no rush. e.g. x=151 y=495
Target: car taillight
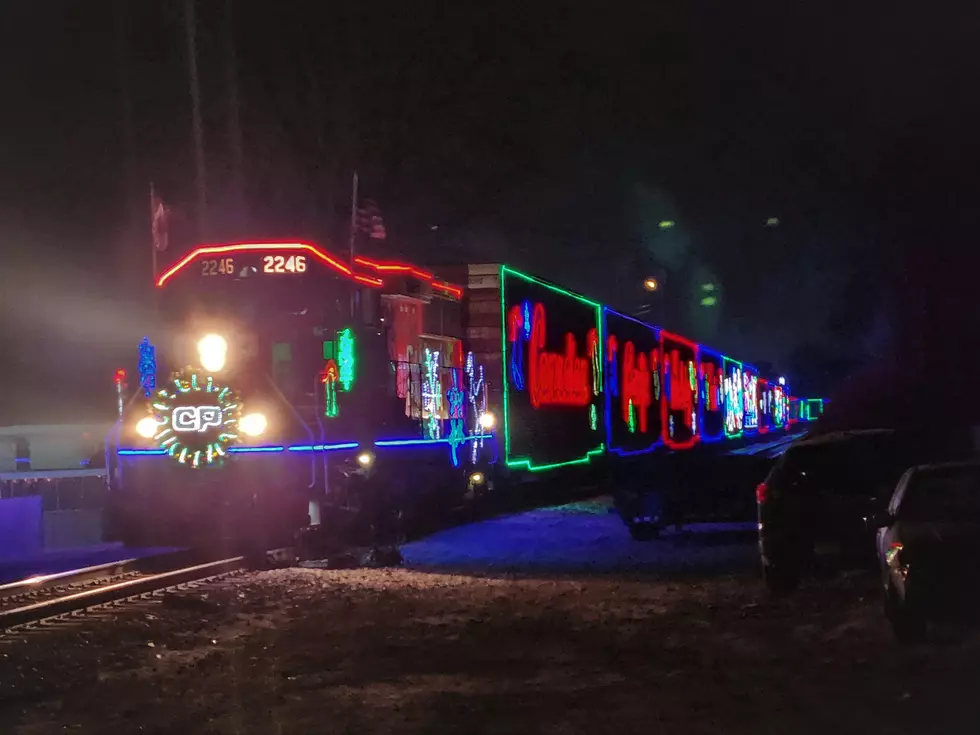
x=761 y=491
x=894 y=549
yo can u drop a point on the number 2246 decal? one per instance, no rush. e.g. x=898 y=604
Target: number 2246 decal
x=223 y=267
x=281 y=264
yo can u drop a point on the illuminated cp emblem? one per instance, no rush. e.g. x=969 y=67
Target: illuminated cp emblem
x=195 y=418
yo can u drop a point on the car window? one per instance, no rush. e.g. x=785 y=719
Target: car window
x=951 y=494
x=858 y=465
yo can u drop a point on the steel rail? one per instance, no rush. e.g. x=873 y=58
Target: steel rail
x=101 y=595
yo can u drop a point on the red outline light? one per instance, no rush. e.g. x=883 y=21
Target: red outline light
x=397 y=267
x=449 y=288
x=664 y=409
x=255 y=246
x=389 y=266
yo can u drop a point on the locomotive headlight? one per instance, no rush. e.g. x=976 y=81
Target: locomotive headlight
x=365 y=459
x=253 y=424
x=487 y=420
x=146 y=427
x=212 y=351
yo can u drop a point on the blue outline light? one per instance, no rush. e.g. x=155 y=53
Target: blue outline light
x=425 y=442
x=133 y=452
x=277 y=449
x=407 y=442
x=452 y=443
x=335 y=447
x=724 y=396
x=607 y=414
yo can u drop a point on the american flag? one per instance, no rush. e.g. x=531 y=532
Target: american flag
x=369 y=220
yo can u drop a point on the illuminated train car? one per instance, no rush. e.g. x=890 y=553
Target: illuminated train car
x=583 y=386
x=634 y=389
x=287 y=382
x=712 y=418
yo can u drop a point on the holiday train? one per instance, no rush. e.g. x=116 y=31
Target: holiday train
x=291 y=384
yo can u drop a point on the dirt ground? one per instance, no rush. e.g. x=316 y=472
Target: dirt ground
x=552 y=621
x=400 y=651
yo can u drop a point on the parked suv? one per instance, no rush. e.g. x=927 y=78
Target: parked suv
x=927 y=547
x=822 y=497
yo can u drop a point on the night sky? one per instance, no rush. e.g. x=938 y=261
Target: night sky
x=553 y=136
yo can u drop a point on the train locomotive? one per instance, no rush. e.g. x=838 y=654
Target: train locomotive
x=288 y=385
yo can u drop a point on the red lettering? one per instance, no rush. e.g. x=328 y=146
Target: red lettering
x=636 y=385
x=515 y=323
x=556 y=379
x=592 y=339
x=681 y=395
x=712 y=379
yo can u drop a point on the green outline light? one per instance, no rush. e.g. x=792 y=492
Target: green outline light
x=809 y=401
x=725 y=360
x=527 y=462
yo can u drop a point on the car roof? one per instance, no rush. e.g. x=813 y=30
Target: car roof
x=841 y=436
x=939 y=466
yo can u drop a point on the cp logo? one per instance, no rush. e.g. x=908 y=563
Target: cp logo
x=196 y=418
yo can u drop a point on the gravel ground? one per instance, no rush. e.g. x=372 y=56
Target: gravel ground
x=410 y=651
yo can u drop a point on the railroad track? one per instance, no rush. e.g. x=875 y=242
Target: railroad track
x=41 y=598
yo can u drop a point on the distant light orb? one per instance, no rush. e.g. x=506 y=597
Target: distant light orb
x=253 y=424
x=487 y=420
x=709 y=301
x=782 y=381
x=146 y=427
x=772 y=222
x=666 y=224
x=651 y=284
x=212 y=350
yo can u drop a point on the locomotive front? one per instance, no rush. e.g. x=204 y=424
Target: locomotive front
x=226 y=448
x=282 y=391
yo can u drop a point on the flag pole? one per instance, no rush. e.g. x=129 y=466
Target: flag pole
x=153 y=244
x=353 y=217
x=353 y=233
x=200 y=175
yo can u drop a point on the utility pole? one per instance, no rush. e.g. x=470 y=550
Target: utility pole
x=200 y=175
x=234 y=119
x=353 y=218
x=132 y=213
x=323 y=198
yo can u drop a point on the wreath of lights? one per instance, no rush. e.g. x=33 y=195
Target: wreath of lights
x=212 y=409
